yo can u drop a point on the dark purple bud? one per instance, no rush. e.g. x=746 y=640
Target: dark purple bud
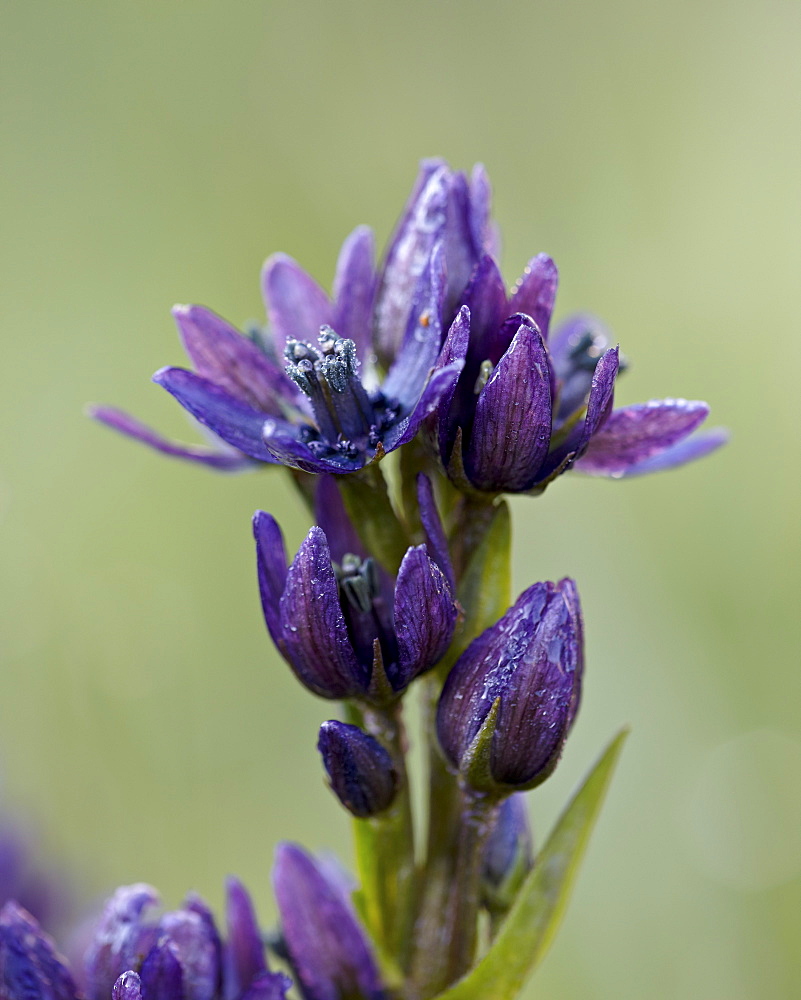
x=507 y=705
x=30 y=969
x=127 y=987
x=243 y=955
x=508 y=855
x=359 y=768
x=161 y=973
x=327 y=946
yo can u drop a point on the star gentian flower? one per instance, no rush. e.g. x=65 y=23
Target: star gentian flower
x=328 y=949
x=529 y=406
x=306 y=394
x=347 y=629
x=178 y=956
x=517 y=685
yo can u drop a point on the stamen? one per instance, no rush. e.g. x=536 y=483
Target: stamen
x=358 y=581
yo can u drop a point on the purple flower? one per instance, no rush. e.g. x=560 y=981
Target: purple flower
x=359 y=769
x=329 y=951
x=346 y=628
x=307 y=394
x=528 y=407
x=30 y=968
x=511 y=698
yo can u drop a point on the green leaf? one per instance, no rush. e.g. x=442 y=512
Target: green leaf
x=528 y=930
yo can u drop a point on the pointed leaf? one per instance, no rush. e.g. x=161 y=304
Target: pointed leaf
x=528 y=930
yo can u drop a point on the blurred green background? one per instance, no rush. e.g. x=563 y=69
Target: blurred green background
x=155 y=152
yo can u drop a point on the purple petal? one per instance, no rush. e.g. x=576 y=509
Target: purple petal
x=462 y=251
x=694 y=447
x=359 y=768
x=510 y=845
x=272 y=986
x=480 y=203
x=232 y=420
x=331 y=516
x=569 y=592
x=423 y=337
x=485 y=297
x=314 y=630
x=425 y=614
x=120 y=938
x=195 y=947
x=454 y=349
x=220 y=353
x=436 y=540
x=161 y=974
x=127 y=987
x=636 y=433
x=512 y=428
x=30 y=969
x=535 y=292
x=442 y=381
x=354 y=291
x=243 y=958
x=296 y=305
x=602 y=395
x=118 y=420
x=271 y=563
x=283 y=444
x=421 y=226
x=328 y=949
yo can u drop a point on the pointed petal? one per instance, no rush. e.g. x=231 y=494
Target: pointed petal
x=480 y=204
x=195 y=947
x=436 y=540
x=636 y=433
x=569 y=592
x=220 y=353
x=462 y=251
x=535 y=292
x=485 y=297
x=272 y=986
x=425 y=614
x=161 y=974
x=127 y=987
x=235 y=422
x=442 y=381
x=423 y=337
x=271 y=564
x=243 y=957
x=120 y=938
x=354 y=291
x=296 y=305
x=692 y=448
x=30 y=968
x=118 y=420
x=512 y=427
x=454 y=349
x=602 y=395
x=283 y=444
x=331 y=516
x=421 y=226
x=315 y=634
x=327 y=946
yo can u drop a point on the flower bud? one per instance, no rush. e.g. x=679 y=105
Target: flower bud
x=508 y=855
x=510 y=699
x=359 y=768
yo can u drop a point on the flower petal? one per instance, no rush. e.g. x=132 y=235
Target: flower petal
x=484 y=236
x=454 y=349
x=636 y=433
x=315 y=634
x=442 y=381
x=284 y=445
x=425 y=614
x=535 y=292
x=602 y=395
x=296 y=305
x=462 y=250
x=330 y=514
x=694 y=447
x=485 y=297
x=234 y=421
x=354 y=291
x=30 y=969
x=272 y=569
x=272 y=986
x=120 y=938
x=512 y=427
x=328 y=949
x=196 y=947
x=420 y=227
x=436 y=540
x=161 y=973
x=243 y=956
x=118 y=420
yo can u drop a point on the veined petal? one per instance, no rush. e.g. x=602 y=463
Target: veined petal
x=535 y=292
x=296 y=305
x=220 y=353
x=436 y=540
x=243 y=957
x=425 y=614
x=442 y=381
x=161 y=973
x=314 y=629
x=354 y=291
x=462 y=251
x=636 y=433
x=421 y=226
x=454 y=349
x=485 y=297
x=124 y=423
x=272 y=569
x=328 y=949
x=570 y=593
x=512 y=427
x=30 y=969
x=484 y=238
x=602 y=395
x=694 y=447
x=232 y=420
x=283 y=444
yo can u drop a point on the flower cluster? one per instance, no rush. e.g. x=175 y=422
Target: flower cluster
x=400 y=583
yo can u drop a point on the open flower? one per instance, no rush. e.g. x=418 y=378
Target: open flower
x=528 y=407
x=306 y=394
